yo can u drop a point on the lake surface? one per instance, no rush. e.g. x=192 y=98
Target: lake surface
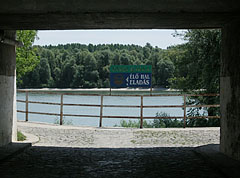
x=108 y=100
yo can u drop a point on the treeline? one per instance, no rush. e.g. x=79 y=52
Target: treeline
x=191 y=66
x=87 y=66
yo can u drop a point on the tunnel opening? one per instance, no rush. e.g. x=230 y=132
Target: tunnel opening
x=69 y=59
x=194 y=14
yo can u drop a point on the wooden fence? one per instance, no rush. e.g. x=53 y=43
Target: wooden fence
x=141 y=106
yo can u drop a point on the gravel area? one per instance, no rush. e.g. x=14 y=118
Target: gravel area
x=73 y=136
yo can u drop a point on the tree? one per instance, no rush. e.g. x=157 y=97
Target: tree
x=103 y=59
x=68 y=72
x=26 y=58
x=78 y=65
x=164 y=71
x=91 y=74
x=44 y=72
x=199 y=70
x=78 y=80
x=147 y=50
x=116 y=58
x=125 y=58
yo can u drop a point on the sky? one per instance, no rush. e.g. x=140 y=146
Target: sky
x=160 y=38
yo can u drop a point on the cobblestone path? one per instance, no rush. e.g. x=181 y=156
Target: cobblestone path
x=65 y=162
x=76 y=152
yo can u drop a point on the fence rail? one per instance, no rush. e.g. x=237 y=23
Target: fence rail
x=101 y=105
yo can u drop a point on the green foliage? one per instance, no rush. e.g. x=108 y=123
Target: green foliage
x=166 y=123
x=198 y=70
x=64 y=121
x=165 y=69
x=157 y=123
x=198 y=67
x=26 y=58
x=190 y=66
x=20 y=136
x=68 y=72
x=133 y=124
x=87 y=66
x=44 y=71
x=170 y=123
x=205 y=112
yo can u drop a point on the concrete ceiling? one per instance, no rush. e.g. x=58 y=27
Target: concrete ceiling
x=117 y=14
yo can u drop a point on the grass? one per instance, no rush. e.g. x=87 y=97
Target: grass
x=157 y=123
x=64 y=122
x=133 y=124
x=20 y=136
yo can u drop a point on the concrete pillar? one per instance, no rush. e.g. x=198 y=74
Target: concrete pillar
x=230 y=90
x=8 y=132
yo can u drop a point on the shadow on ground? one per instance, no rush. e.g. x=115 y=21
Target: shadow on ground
x=46 y=162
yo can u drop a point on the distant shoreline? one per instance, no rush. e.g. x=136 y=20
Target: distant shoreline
x=98 y=89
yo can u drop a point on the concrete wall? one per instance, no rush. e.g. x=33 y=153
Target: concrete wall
x=73 y=6
x=116 y=14
x=7 y=91
x=230 y=90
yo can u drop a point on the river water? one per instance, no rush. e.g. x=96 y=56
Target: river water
x=108 y=100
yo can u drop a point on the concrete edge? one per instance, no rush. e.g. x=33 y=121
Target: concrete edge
x=223 y=164
x=30 y=138
x=11 y=150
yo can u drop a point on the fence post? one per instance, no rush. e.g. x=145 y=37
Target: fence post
x=61 y=110
x=26 y=114
x=184 y=124
x=101 y=112
x=141 y=119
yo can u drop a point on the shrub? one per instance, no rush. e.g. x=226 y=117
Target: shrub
x=157 y=123
x=166 y=123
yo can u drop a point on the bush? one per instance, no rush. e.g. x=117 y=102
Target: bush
x=157 y=123
x=166 y=123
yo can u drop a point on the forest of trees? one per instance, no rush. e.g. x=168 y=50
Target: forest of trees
x=87 y=66
x=190 y=66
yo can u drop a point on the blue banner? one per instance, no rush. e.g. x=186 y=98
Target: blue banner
x=133 y=80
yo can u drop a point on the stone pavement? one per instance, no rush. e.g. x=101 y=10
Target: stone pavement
x=73 y=152
x=66 y=162
x=12 y=149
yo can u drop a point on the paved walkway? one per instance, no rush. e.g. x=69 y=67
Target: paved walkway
x=72 y=152
x=62 y=162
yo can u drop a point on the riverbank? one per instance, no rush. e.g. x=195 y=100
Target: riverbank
x=99 y=89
